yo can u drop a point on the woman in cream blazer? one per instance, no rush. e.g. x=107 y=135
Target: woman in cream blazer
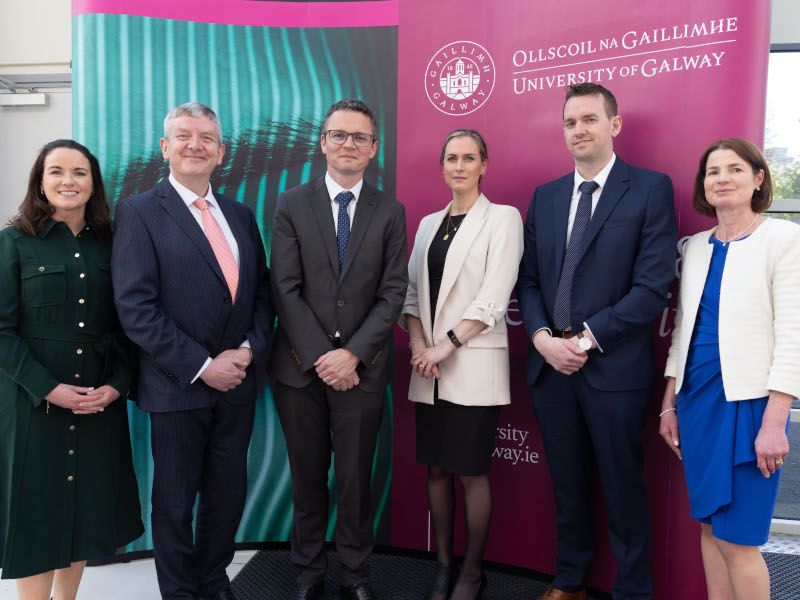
x=461 y=273
x=734 y=365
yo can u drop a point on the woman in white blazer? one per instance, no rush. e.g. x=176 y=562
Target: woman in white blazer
x=461 y=273
x=734 y=365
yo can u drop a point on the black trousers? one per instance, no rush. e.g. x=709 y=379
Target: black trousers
x=198 y=451
x=581 y=425
x=316 y=420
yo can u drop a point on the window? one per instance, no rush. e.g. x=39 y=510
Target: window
x=782 y=149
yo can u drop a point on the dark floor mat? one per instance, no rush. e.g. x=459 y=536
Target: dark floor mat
x=269 y=576
x=784 y=573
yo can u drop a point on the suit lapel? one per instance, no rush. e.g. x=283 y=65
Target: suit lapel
x=423 y=286
x=239 y=234
x=177 y=209
x=321 y=207
x=365 y=209
x=459 y=248
x=617 y=184
x=693 y=279
x=562 y=200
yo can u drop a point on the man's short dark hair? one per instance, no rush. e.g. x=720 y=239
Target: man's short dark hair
x=593 y=89
x=354 y=105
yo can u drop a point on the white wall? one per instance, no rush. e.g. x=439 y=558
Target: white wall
x=35 y=38
x=785 y=22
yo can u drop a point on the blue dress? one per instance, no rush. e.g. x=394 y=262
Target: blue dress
x=726 y=489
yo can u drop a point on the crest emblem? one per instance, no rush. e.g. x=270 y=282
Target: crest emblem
x=460 y=78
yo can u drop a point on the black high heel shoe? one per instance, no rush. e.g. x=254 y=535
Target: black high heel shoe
x=481 y=587
x=444 y=581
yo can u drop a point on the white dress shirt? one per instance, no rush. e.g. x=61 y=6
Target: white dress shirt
x=334 y=189
x=599 y=179
x=188 y=196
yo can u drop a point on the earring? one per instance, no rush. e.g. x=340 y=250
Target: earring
x=758 y=188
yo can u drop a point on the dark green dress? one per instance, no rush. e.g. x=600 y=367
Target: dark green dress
x=67 y=487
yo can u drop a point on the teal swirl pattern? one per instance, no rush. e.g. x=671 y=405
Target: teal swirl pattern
x=270 y=88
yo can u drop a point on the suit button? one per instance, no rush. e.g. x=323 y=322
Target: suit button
x=340 y=303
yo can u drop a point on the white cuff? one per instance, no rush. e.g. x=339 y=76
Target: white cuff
x=203 y=368
x=596 y=341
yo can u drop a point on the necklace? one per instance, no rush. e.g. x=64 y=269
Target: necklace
x=738 y=235
x=450 y=228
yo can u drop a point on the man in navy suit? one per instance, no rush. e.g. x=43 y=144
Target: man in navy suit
x=599 y=258
x=191 y=285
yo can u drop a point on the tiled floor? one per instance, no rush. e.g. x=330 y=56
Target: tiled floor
x=135 y=580
x=782 y=544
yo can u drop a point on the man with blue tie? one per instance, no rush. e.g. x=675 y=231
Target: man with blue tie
x=599 y=258
x=339 y=280
x=191 y=286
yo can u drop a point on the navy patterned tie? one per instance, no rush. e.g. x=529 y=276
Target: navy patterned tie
x=343 y=224
x=562 y=306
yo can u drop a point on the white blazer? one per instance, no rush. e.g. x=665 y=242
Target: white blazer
x=480 y=272
x=759 y=311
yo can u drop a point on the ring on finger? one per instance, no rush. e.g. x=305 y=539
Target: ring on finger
x=779 y=461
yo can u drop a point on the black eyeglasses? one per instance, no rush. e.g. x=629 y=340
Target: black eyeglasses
x=339 y=137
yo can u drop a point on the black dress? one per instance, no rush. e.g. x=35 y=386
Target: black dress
x=454 y=437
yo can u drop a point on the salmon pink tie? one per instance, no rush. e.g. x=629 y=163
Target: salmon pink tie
x=220 y=246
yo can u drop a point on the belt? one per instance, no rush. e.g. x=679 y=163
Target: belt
x=109 y=345
x=566 y=334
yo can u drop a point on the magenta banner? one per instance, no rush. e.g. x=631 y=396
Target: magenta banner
x=685 y=74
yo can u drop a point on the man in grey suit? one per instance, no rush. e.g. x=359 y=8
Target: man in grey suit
x=338 y=291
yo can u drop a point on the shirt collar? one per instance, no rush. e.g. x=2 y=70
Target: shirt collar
x=334 y=189
x=188 y=196
x=599 y=179
x=52 y=223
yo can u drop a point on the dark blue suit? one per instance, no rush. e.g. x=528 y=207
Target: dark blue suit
x=175 y=305
x=620 y=286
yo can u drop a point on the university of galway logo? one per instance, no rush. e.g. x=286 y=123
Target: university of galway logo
x=460 y=78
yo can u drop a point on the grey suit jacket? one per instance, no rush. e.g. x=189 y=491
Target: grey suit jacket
x=314 y=300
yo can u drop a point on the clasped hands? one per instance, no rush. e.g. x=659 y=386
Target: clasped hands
x=337 y=368
x=82 y=400
x=563 y=355
x=227 y=369
x=425 y=359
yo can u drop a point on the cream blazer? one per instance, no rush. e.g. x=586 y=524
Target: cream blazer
x=480 y=272
x=759 y=311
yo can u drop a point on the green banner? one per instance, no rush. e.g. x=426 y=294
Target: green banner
x=270 y=87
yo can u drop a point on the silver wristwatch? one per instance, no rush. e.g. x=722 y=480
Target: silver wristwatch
x=584 y=343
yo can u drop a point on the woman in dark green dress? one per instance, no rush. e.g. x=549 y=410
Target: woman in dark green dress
x=67 y=487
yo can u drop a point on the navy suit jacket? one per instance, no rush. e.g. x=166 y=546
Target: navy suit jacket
x=174 y=303
x=621 y=281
